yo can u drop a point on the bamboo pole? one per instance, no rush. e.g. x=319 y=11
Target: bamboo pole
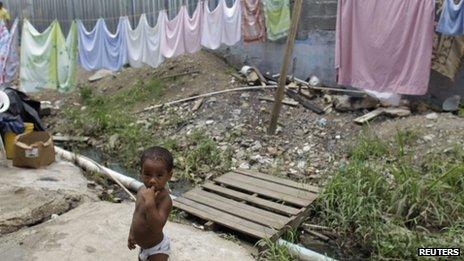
x=284 y=69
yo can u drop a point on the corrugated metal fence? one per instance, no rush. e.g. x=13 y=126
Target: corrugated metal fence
x=42 y=12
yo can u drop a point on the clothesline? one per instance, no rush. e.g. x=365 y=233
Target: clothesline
x=177 y=9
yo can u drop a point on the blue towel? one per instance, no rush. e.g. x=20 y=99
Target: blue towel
x=100 y=49
x=452 y=18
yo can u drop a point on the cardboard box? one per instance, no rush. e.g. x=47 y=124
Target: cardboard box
x=33 y=150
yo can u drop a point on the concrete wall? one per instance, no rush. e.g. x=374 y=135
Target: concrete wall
x=315 y=49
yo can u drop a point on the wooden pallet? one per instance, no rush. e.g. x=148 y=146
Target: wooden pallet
x=258 y=205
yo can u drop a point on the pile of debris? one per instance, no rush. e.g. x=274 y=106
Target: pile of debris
x=305 y=92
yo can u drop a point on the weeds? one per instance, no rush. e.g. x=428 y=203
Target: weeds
x=390 y=201
x=274 y=252
x=106 y=116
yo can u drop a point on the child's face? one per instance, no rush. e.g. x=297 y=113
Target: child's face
x=154 y=174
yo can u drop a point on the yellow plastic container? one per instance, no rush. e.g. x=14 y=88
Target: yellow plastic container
x=11 y=136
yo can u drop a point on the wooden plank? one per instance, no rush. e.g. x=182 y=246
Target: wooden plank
x=224 y=219
x=234 y=208
x=281 y=181
x=294 y=223
x=298 y=195
x=270 y=205
x=279 y=218
x=253 y=188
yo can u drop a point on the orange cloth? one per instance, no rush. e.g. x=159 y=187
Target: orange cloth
x=253 y=25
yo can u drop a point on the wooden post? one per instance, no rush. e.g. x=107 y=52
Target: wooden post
x=284 y=69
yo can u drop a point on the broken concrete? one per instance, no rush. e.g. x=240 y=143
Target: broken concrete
x=30 y=196
x=98 y=231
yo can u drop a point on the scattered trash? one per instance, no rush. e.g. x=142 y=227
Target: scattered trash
x=4 y=102
x=308 y=105
x=197 y=104
x=322 y=122
x=347 y=103
x=284 y=101
x=393 y=112
x=314 y=81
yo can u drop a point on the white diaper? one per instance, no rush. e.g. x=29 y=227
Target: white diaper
x=164 y=247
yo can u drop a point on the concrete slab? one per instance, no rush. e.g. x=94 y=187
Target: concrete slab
x=30 y=196
x=98 y=231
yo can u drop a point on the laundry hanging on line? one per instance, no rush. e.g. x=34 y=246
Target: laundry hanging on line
x=277 y=14
x=452 y=18
x=48 y=59
x=222 y=25
x=183 y=33
x=143 y=43
x=448 y=51
x=385 y=46
x=192 y=29
x=253 y=23
x=101 y=49
x=172 y=37
x=9 y=59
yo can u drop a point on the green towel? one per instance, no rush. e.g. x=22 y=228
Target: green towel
x=277 y=13
x=48 y=60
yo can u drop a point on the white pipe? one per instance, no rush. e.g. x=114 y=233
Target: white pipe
x=303 y=253
x=88 y=164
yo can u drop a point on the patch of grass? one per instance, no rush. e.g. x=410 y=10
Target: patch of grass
x=368 y=147
x=274 y=252
x=390 y=201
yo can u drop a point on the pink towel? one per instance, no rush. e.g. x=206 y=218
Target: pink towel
x=192 y=29
x=172 y=36
x=385 y=46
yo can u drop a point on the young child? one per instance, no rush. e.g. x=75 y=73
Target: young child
x=153 y=206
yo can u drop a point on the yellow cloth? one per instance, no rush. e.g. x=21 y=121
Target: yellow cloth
x=4 y=15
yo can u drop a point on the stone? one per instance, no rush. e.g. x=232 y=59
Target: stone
x=322 y=122
x=301 y=165
x=113 y=141
x=245 y=94
x=209 y=122
x=432 y=116
x=53 y=216
x=237 y=112
x=244 y=165
x=256 y=146
x=273 y=151
x=306 y=148
x=100 y=74
x=429 y=137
